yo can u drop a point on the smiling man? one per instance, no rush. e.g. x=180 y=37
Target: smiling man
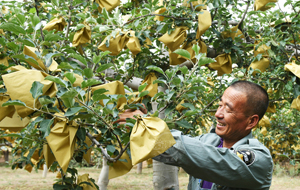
x=228 y=157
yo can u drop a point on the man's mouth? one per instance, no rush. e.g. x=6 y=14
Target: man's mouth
x=221 y=124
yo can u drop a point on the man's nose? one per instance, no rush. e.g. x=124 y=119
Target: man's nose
x=219 y=113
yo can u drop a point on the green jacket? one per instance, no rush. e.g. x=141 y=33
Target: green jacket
x=201 y=159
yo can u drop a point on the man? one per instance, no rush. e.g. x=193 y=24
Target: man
x=228 y=157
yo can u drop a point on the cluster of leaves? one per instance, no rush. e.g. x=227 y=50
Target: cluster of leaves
x=195 y=89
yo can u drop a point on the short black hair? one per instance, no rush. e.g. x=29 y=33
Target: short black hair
x=257 y=97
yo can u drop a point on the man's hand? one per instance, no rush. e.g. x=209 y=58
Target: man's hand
x=130 y=113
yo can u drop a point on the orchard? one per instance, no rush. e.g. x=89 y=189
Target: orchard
x=69 y=68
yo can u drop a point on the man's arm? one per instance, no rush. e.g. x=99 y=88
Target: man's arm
x=219 y=165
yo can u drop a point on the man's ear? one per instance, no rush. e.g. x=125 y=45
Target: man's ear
x=253 y=121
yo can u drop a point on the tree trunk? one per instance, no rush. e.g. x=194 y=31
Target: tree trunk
x=139 y=167
x=6 y=155
x=45 y=170
x=165 y=177
x=103 y=177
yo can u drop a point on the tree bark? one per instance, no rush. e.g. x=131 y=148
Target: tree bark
x=103 y=177
x=6 y=155
x=139 y=168
x=164 y=176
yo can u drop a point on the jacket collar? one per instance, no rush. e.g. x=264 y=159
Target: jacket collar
x=243 y=140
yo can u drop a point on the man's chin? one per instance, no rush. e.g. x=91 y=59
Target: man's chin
x=220 y=130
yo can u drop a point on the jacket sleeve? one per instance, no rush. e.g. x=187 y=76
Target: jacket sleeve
x=220 y=165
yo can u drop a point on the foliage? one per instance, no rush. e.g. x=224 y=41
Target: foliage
x=87 y=55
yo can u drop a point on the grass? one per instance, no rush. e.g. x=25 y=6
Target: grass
x=22 y=180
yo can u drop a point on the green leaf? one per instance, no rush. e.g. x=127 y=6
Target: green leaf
x=79 y=58
x=90 y=82
x=184 y=69
x=12 y=27
x=142 y=87
x=99 y=94
x=3 y=90
x=184 y=124
x=79 y=26
x=70 y=77
x=188 y=105
x=205 y=60
x=36 y=89
x=104 y=67
x=52 y=37
x=183 y=53
x=21 y=18
x=35 y=20
x=55 y=2
x=27 y=42
x=88 y=72
x=45 y=127
x=110 y=148
x=13 y=103
x=176 y=81
x=46 y=100
x=25 y=58
x=143 y=93
x=196 y=49
x=58 y=186
x=68 y=97
x=81 y=133
x=105 y=13
x=103 y=28
x=72 y=111
x=56 y=80
x=155 y=68
x=65 y=65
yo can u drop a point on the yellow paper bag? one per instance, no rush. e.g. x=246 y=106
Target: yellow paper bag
x=174 y=60
x=271 y=108
x=232 y=33
x=82 y=36
x=115 y=44
x=6 y=111
x=160 y=11
x=18 y=85
x=30 y=51
x=16 y=68
x=56 y=24
x=4 y=61
x=195 y=3
x=262 y=65
x=62 y=142
x=152 y=88
x=15 y=123
x=294 y=68
x=108 y=4
x=85 y=178
x=223 y=64
x=49 y=157
x=263 y=49
x=150 y=137
x=262 y=4
x=175 y=39
x=87 y=154
x=35 y=158
x=115 y=87
x=204 y=22
x=120 y=168
x=296 y=103
x=133 y=44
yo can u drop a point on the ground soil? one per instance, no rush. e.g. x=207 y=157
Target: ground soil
x=22 y=180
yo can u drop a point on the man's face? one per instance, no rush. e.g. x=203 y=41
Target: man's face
x=231 y=118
